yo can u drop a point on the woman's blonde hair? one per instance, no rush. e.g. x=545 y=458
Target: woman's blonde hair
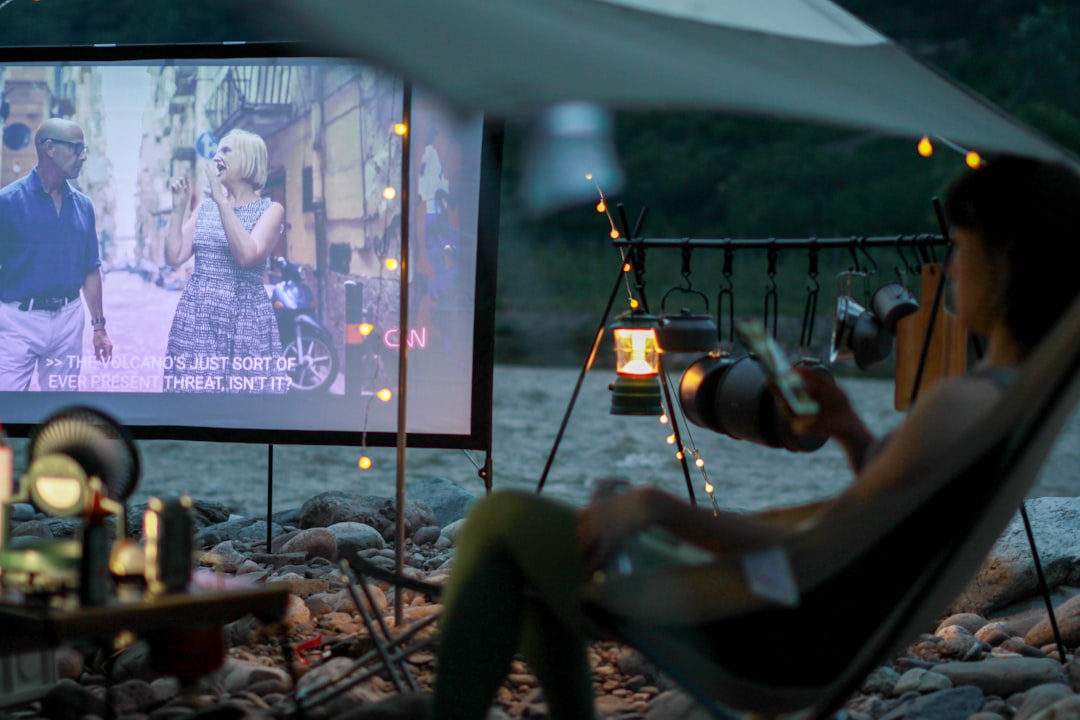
x=250 y=155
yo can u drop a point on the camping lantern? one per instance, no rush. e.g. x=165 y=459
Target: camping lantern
x=637 y=361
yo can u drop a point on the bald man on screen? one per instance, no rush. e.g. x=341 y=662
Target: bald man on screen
x=48 y=262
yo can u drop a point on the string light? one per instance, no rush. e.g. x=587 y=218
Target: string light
x=384 y=395
x=400 y=128
x=391 y=264
x=634 y=303
x=389 y=193
x=364 y=463
x=671 y=439
x=614 y=234
x=699 y=462
x=601 y=207
x=971 y=158
x=679 y=455
x=926 y=148
x=664 y=419
x=626 y=267
x=709 y=487
x=366 y=328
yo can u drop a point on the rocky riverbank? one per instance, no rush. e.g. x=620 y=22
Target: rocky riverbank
x=998 y=664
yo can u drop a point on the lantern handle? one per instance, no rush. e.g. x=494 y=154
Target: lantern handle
x=684 y=291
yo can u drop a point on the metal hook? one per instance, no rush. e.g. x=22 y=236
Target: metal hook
x=771 y=299
x=854 y=255
x=912 y=268
x=810 y=309
x=812 y=273
x=726 y=290
x=686 y=263
x=868 y=256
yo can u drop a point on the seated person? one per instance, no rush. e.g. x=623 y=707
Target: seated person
x=522 y=559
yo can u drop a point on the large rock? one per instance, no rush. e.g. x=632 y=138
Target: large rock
x=313 y=542
x=329 y=508
x=70 y=701
x=1041 y=697
x=1008 y=573
x=1066 y=709
x=204 y=513
x=354 y=538
x=1003 y=676
x=1067 y=615
x=953 y=704
x=240 y=529
x=448 y=500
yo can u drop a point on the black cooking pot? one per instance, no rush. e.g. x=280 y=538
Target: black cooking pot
x=731 y=396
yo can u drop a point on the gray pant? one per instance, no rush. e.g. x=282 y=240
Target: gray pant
x=49 y=341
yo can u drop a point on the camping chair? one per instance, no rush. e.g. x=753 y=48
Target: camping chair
x=391 y=651
x=869 y=579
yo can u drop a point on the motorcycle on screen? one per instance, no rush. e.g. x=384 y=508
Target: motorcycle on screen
x=306 y=343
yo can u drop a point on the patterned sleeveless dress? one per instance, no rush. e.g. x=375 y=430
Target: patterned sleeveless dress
x=224 y=336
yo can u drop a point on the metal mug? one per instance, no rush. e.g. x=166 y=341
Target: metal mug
x=891 y=302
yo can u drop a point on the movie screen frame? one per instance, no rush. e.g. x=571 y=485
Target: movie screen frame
x=328 y=125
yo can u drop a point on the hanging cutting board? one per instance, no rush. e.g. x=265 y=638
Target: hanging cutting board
x=948 y=346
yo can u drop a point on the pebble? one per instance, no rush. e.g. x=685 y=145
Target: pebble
x=961 y=671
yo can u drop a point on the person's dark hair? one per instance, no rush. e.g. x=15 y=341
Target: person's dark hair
x=1028 y=210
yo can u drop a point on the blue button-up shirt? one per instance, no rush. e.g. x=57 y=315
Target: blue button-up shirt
x=44 y=252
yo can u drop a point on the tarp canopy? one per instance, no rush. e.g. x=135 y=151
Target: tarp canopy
x=801 y=60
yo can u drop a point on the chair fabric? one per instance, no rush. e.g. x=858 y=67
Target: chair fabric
x=870 y=577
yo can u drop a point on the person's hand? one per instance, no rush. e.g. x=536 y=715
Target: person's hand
x=217 y=191
x=102 y=345
x=603 y=525
x=836 y=413
x=181 y=193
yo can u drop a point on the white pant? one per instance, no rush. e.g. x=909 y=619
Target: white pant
x=50 y=341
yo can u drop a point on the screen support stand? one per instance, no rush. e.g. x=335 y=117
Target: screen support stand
x=269 y=494
x=403 y=346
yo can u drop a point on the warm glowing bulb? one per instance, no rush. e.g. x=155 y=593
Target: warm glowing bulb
x=709 y=488
x=391 y=264
x=389 y=193
x=366 y=328
x=634 y=303
x=679 y=455
x=671 y=439
x=601 y=206
x=926 y=148
x=588 y=176
x=384 y=394
x=400 y=128
x=700 y=463
x=973 y=160
x=614 y=234
x=626 y=267
x=364 y=462
x=664 y=419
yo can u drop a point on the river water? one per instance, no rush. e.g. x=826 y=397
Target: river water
x=528 y=407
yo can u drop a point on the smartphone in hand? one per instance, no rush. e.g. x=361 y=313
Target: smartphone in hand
x=788 y=383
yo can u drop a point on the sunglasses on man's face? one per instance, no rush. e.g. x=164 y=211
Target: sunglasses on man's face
x=76 y=147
